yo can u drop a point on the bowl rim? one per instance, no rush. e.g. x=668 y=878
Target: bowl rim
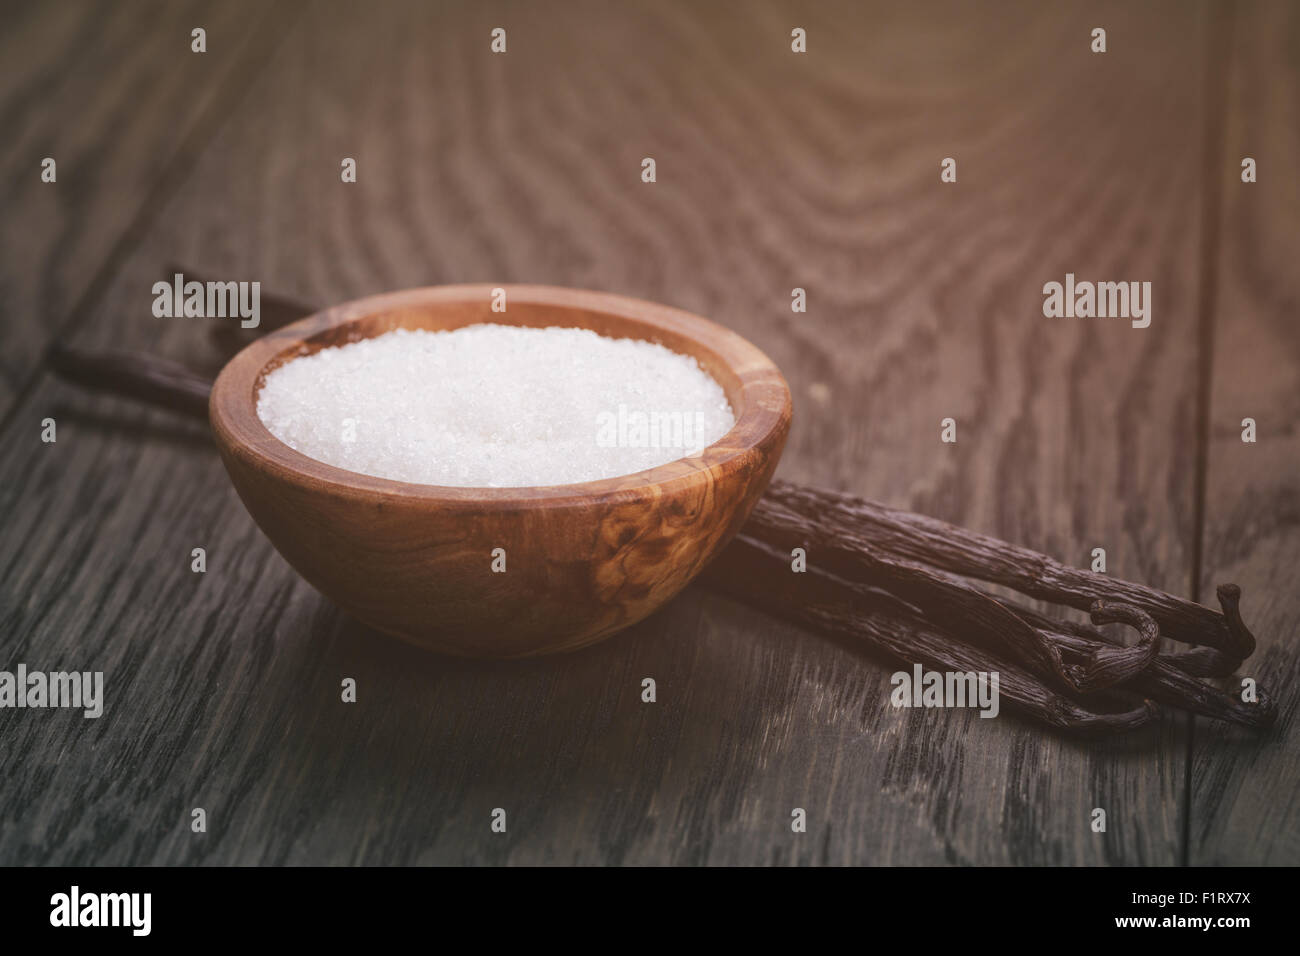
x=762 y=421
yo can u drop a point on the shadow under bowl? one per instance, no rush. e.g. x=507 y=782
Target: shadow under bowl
x=583 y=560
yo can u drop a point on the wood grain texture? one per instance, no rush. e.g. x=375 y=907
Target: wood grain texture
x=112 y=93
x=774 y=171
x=585 y=560
x=1245 y=793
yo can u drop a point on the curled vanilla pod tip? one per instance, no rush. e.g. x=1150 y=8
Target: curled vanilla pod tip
x=1229 y=596
x=1113 y=664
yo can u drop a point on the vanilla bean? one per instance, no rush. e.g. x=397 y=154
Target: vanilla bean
x=1163 y=677
x=952 y=602
x=137 y=375
x=1109 y=662
x=759 y=575
x=853 y=521
x=1164 y=681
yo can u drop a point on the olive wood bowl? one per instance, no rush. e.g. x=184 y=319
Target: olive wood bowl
x=582 y=560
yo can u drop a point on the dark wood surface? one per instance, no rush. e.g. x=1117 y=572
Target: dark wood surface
x=109 y=92
x=775 y=170
x=1245 y=793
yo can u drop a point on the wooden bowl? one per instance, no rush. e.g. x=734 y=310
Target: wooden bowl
x=582 y=560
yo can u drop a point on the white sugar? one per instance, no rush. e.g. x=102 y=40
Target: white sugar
x=495 y=406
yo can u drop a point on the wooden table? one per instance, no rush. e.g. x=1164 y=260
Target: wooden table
x=775 y=170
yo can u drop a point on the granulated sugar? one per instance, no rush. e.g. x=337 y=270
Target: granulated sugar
x=495 y=406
